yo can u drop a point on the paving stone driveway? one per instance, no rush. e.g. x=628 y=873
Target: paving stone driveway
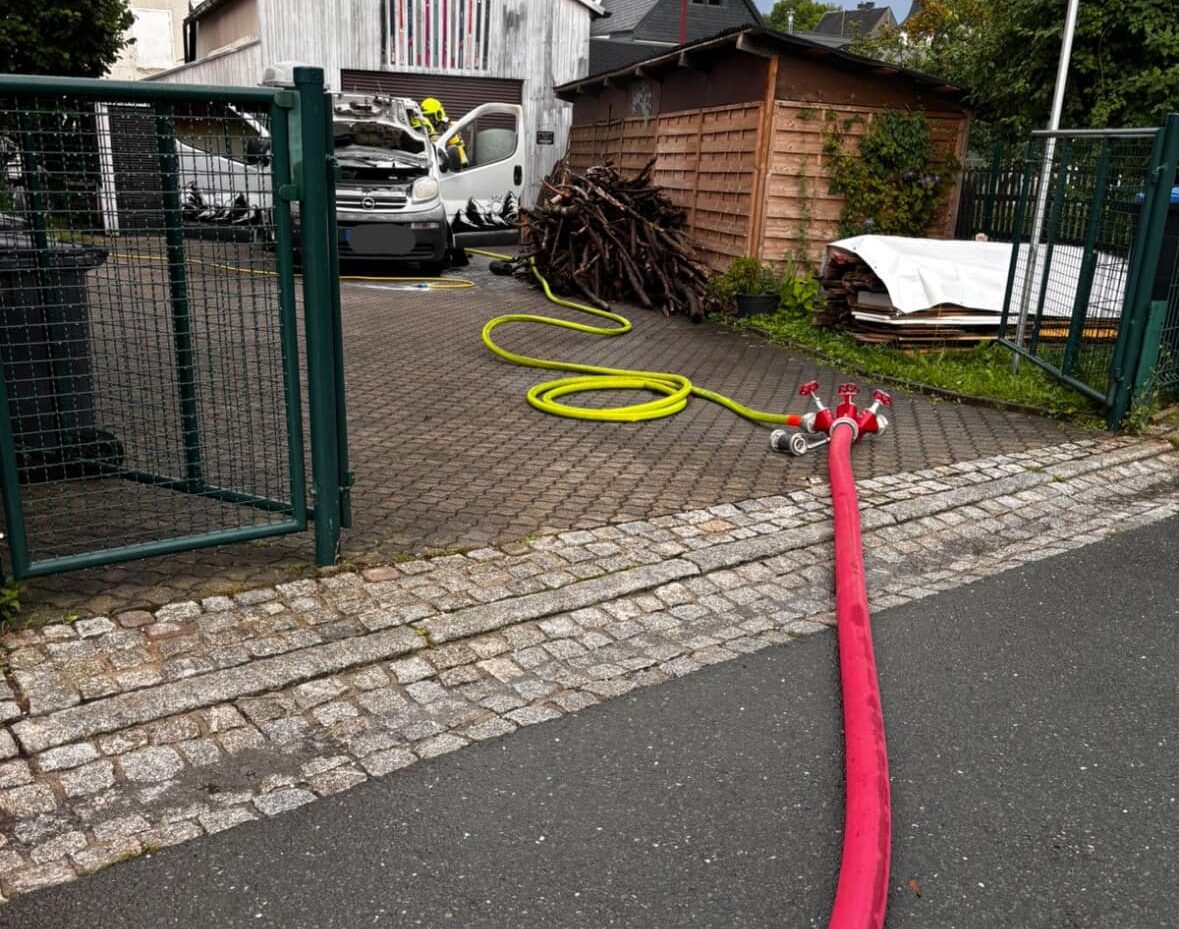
x=448 y=455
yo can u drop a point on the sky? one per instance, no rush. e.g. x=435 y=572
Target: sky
x=900 y=8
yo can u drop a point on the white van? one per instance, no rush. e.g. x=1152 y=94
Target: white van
x=399 y=197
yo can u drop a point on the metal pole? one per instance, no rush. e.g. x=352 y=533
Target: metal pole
x=1066 y=51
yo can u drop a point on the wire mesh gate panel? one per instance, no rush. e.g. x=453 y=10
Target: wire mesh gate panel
x=150 y=399
x=1086 y=240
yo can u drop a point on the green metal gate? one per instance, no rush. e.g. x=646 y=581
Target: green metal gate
x=1087 y=243
x=152 y=398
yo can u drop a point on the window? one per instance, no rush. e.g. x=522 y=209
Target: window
x=450 y=34
x=709 y=2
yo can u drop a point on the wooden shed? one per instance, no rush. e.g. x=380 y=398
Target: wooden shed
x=736 y=124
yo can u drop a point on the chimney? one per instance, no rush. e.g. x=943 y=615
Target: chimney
x=790 y=22
x=867 y=5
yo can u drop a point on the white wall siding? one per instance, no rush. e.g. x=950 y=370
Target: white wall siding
x=329 y=34
x=241 y=67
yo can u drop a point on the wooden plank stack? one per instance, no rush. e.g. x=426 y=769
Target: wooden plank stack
x=604 y=237
x=858 y=302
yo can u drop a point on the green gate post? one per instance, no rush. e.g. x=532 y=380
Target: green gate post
x=1126 y=369
x=1088 y=261
x=190 y=423
x=317 y=224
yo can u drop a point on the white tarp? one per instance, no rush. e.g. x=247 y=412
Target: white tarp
x=924 y=273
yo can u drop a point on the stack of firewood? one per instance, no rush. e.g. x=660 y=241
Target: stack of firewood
x=604 y=237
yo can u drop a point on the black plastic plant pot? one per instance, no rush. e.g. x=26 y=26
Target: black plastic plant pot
x=756 y=304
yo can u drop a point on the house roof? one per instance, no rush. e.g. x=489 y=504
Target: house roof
x=659 y=20
x=621 y=16
x=756 y=40
x=852 y=23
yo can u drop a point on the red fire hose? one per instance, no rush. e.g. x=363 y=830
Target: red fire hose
x=861 y=894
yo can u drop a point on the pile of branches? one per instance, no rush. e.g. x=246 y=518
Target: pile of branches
x=605 y=237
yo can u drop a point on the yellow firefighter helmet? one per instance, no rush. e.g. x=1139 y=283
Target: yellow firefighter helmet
x=433 y=110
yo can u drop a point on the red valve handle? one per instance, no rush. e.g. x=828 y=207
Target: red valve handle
x=808 y=388
x=848 y=390
x=881 y=397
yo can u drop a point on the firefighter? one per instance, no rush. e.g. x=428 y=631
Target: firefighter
x=437 y=123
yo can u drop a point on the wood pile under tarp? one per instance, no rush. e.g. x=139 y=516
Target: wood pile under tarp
x=858 y=302
x=603 y=237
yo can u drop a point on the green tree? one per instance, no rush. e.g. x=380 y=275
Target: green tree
x=1124 y=69
x=807 y=14
x=77 y=38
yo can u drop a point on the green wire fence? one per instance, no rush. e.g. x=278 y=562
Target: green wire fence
x=152 y=397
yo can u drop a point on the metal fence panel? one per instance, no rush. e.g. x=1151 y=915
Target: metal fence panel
x=1085 y=239
x=150 y=399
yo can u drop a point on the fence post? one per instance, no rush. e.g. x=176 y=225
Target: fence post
x=1132 y=351
x=992 y=190
x=317 y=221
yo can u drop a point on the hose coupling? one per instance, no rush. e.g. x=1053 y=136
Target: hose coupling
x=796 y=443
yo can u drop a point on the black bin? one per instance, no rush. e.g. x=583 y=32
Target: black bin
x=45 y=356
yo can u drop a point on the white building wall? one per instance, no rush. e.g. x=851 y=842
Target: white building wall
x=239 y=67
x=159 y=42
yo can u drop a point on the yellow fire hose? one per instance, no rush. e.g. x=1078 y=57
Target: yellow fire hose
x=674 y=389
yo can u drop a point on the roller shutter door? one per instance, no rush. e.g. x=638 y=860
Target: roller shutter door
x=459 y=95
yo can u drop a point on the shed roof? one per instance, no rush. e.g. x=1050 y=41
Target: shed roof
x=757 y=41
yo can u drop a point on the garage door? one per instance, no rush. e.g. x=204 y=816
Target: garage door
x=459 y=95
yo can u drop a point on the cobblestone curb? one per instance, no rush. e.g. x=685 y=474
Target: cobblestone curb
x=127 y=733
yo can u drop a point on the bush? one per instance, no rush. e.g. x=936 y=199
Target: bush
x=896 y=181
x=799 y=294
x=744 y=276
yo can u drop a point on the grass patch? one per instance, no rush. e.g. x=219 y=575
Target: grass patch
x=982 y=373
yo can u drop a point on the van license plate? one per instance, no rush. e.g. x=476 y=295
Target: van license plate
x=380 y=239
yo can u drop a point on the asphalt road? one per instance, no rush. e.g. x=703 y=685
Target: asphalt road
x=1033 y=724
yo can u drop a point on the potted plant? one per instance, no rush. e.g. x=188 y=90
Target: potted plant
x=750 y=286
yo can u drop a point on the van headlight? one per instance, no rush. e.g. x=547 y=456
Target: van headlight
x=425 y=188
